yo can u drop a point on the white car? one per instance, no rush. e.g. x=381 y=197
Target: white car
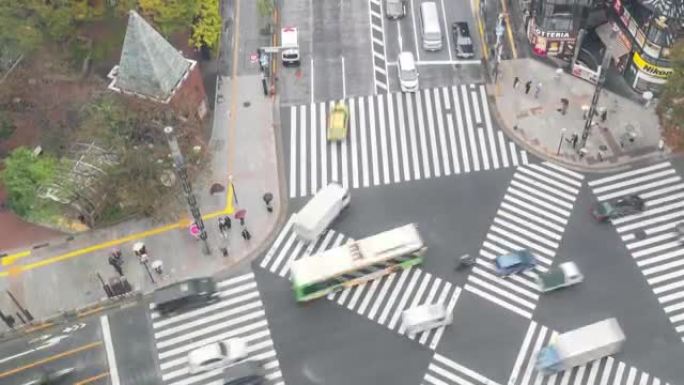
x=217 y=355
x=408 y=73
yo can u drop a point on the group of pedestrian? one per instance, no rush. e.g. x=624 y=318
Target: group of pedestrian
x=528 y=87
x=116 y=259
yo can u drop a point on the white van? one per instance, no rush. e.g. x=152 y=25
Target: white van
x=290 y=52
x=320 y=211
x=407 y=71
x=425 y=317
x=430 y=28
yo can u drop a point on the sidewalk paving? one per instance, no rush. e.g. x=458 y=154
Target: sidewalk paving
x=630 y=133
x=255 y=170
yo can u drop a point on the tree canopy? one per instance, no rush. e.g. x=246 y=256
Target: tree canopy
x=24 y=173
x=671 y=106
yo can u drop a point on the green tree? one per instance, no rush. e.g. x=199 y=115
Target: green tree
x=207 y=29
x=171 y=15
x=671 y=105
x=24 y=173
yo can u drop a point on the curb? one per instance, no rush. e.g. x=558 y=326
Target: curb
x=68 y=316
x=572 y=166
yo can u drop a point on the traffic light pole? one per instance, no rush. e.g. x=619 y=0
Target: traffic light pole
x=181 y=172
x=595 y=99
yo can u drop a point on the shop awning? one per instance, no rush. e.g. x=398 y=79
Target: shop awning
x=610 y=36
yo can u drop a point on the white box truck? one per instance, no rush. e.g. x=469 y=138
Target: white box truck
x=317 y=215
x=290 y=47
x=581 y=346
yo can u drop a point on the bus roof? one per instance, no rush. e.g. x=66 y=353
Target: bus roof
x=340 y=260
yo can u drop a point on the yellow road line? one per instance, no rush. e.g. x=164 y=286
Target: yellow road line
x=509 y=30
x=51 y=358
x=483 y=40
x=92 y=379
x=10 y=259
x=233 y=95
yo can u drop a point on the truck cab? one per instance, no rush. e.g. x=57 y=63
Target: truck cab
x=290 y=46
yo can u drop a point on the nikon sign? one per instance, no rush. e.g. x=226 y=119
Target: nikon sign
x=650 y=69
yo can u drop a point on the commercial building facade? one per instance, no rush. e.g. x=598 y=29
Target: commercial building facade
x=638 y=34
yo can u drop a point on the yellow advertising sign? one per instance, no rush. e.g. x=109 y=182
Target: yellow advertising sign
x=659 y=72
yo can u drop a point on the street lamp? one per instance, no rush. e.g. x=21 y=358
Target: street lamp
x=560 y=143
x=181 y=172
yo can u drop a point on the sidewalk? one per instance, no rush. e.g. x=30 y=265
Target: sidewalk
x=630 y=133
x=72 y=275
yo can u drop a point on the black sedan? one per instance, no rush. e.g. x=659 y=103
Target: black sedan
x=462 y=40
x=618 y=207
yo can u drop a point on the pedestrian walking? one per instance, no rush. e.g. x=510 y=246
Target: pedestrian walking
x=158 y=266
x=604 y=116
x=537 y=90
x=116 y=264
x=268 y=198
x=246 y=235
x=564 y=106
x=528 y=85
x=583 y=152
x=224 y=251
x=515 y=82
x=224 y=226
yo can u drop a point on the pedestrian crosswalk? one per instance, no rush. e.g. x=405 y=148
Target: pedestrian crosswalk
x=650 y=236
x=443 y=371
x=532 y=215
x=604 y=371
x=396 y=138
x=239 y=313
x=377 y=35
x=381 y=300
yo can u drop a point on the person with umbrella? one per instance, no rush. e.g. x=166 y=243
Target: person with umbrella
x=268 y=198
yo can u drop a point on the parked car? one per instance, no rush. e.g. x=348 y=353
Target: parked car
x=566 y=274
x=217 y=355
x=618 y=207
x=516 y=261
x=408 y=72
x=338 y=122
x=395 y=9
x=462 y=40
x=248 y=372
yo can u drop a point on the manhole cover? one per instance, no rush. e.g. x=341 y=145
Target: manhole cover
x=246 y=104
x=640 y=234
x=603 y=147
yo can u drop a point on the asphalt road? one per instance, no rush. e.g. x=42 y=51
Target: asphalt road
x=78 y=345
x=349 y=48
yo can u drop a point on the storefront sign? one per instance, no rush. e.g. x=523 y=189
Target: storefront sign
x=650 y=69
x=553 y=35
x=585 y=73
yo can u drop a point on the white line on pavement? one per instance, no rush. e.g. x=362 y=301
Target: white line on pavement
x=344 y=82
x=109 y=348
x=312 y=80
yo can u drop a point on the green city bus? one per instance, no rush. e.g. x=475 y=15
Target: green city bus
x=356 y=262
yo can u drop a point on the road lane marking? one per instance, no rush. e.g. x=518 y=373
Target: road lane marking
x=10 y=259
x=333 y=152
x=354 y=143
x=383 y=140
x=109 y=348
x=324 y=148
x=446 y=31
x=344 y=81
x=302 y=151
x=314 y=152
x=293 y=151
x=55 y=357
x=312 y=80
x=415 y=33
x=410 y=98
x=442 y=134
x=92 y=379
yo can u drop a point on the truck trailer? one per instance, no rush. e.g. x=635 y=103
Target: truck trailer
x=581 y=346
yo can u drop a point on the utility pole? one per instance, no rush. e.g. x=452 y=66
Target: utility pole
x=182 y=173
x=594 y=100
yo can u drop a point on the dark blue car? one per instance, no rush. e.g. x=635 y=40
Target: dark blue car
x=515 y=262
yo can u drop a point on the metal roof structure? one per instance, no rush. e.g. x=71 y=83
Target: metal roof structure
x=150 y=67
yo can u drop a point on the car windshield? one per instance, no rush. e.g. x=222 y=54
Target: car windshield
x=604 y=208
x=409 y=74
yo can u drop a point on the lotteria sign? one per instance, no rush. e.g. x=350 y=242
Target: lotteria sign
x=650 y=69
